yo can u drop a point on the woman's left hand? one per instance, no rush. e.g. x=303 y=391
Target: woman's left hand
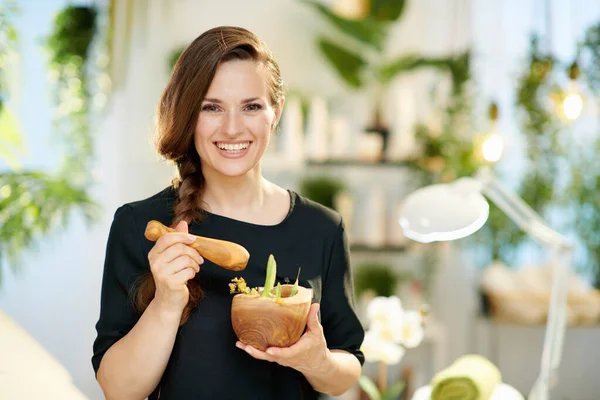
x=308 y=354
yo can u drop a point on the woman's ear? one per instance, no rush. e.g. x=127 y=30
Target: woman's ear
x=278 y=112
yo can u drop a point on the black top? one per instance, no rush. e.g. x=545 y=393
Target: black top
x=205 y=363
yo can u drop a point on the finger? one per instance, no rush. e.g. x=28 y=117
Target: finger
x=169 y=239
x=180 y=263
x=260 y=355
x=282 y=353
x=312 y=322
x=182 y=226
x=182 y=276
x=177 y=250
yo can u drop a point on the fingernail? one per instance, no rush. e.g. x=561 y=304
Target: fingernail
x=192 y=238
x=270 y=352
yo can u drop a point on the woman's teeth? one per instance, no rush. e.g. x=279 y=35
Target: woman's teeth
x=233 y=147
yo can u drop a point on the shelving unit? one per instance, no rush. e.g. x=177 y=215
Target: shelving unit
x=356 y=163
x=363 y=248
x=360 y=176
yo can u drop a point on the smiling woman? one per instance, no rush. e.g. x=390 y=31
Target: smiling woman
x=165 y=323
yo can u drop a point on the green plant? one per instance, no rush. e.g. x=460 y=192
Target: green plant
x=36 y=203
x=377 y=277
x=553 y=159
x=359 y=55
x=584 y=180
x=174 y=56
x=68 y=46
x=449 y=153
x=369 y=387
x=590 y=49
x=541 y=131
x=322 y=189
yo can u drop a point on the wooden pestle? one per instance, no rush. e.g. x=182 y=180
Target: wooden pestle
x=226 y=254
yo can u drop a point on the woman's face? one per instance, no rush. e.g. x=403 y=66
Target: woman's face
x=236 y=119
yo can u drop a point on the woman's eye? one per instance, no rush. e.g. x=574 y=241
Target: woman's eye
x=210 y=108
x=253 y=107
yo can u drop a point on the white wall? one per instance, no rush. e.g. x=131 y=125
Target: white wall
x=56 y=296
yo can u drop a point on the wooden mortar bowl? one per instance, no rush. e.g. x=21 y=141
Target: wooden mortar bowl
x=262 y=322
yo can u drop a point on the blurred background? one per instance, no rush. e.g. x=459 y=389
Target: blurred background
x=383 y=97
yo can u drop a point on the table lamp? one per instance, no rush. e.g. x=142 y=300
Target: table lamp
x=455 y=210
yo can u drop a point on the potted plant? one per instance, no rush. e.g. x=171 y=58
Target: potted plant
x=359 y=55
x=269 y=316
x=322 y=189
x=392 y=330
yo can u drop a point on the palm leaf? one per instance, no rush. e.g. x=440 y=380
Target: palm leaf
x=345 y=62
x=408 y=63
x=367 y=31
x=387 y=10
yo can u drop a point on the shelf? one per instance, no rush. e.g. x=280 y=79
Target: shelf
x=356 y=163
x=279 y=163
x=364 y=248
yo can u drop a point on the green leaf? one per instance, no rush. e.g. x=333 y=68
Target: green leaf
x=407 y=63
x=73 y=31
x=387 y=10
x=394 y=391
x=270 y=278
x=347 y=64
x=369 y=387
x=367 y=31
x=11 y=143
x=35 y=204
x=278 y=291
x=295 y=287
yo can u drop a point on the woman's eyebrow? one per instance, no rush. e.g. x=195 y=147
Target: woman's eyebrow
x=218 y=101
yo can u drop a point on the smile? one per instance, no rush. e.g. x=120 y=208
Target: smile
x=233 y=147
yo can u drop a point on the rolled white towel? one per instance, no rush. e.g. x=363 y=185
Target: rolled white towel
x=502 y=392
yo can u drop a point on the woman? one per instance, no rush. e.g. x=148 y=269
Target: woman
x=165 y=324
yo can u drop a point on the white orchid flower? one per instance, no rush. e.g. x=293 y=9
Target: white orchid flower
x=412 y=329
x=385 y=311
x=375 y=349
x=390 y=331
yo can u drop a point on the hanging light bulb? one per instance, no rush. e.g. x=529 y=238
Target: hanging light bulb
x=351 y=9
x=572 y=103
x=490 y=146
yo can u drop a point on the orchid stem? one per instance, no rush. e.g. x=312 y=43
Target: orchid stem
x=382 y=377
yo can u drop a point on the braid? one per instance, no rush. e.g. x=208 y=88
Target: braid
x=189 y=186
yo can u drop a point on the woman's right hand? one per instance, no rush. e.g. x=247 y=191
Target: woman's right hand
x=173 y=262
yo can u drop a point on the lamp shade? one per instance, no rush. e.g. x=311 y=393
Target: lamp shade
x=444 y=212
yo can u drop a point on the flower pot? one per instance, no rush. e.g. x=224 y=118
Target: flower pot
x=264 y=322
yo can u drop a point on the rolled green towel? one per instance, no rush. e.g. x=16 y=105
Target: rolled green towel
x=471 y=377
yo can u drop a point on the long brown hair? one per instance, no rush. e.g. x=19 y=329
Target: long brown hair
x=178 y=111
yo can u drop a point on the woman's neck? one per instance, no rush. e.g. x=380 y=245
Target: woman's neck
x=231 y=195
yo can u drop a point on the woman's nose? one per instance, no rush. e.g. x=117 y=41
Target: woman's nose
x=233 y=124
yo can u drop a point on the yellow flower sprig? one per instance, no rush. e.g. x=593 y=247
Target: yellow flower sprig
x=239 y=285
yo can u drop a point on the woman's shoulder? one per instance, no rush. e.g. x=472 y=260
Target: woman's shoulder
x=159 y=206
x=310 y=212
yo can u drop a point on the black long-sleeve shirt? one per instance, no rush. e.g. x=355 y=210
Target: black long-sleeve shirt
x=205 y=363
